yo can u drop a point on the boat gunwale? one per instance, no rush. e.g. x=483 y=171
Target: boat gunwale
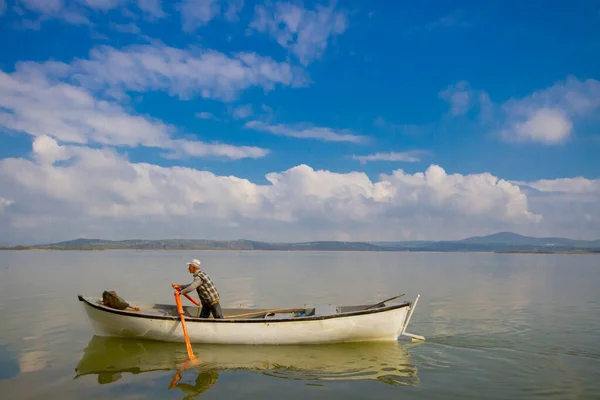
x=241 y=320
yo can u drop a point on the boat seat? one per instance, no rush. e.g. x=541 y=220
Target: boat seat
x=326 y=309
x=280 y=315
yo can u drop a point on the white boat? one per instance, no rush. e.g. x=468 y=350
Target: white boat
x=321 y=324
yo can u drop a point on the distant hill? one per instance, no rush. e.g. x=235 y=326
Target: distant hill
x=202 y=244
x=510 y=238
x=503 y=242
x=497 y=242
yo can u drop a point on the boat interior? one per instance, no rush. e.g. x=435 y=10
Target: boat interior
x=255 y=313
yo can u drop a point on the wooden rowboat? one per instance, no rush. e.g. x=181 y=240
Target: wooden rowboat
x=321 y=324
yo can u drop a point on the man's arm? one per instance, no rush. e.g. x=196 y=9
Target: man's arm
x=188 y=288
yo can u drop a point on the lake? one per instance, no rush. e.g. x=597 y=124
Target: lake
x=497 y=326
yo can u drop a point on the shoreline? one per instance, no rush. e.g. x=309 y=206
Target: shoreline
x=564 y=252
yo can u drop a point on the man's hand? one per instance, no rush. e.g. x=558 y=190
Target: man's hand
x=176 y=287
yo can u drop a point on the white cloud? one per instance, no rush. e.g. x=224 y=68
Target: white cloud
x=43 y=6
x=199 y=149
x=77 y=11
x=461 y=97
x=407 y=129
x=197 y=13
x=151 y=7
x=549 y=116
x=475 y=194
x=39 y=106
x=578 y=185
x=33 y=104
x=304 y=131
x=205 y=115
x=234 y=7
x=571 y=206
x=47 y=150
x=243 y=112
x=5 y=203
x=546 y=125
x=126 y=28
x=99 y=193
x=406 y=156
x=182 y=72
x=306 y=33
x=575 y=97
x=102 y=4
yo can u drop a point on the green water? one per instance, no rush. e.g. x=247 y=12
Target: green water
x=500 y=326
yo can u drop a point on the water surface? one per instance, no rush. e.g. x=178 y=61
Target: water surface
x=497 y=326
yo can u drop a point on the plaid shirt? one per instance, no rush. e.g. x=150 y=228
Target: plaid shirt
x=204 y=286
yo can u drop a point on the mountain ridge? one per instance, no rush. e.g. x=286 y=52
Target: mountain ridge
x=497 y=242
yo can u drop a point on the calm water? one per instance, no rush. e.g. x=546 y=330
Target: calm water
x=497 y=326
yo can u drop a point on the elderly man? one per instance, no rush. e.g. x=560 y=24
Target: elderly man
x=207 y=292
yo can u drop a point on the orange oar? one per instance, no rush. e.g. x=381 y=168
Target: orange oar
x=191 y=299
x=185 y=334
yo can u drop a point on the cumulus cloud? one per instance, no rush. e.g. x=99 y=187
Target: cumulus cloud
x=572 y=206
x=306 y=131
x=546 y=125
x=66 y=191
x=33 y=104
x=578 y=185
x=546 y=116
x=185 y=73
x=197 y=13
x=36 y=105
x=406 y=156
x=306 y=33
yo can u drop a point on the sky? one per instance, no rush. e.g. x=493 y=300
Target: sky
x=297 y=121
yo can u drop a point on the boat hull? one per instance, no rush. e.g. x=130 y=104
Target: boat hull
x=384 y=324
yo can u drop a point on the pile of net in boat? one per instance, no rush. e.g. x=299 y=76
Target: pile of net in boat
x=112 y=300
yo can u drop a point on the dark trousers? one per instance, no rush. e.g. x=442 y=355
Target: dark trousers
x=215 y=309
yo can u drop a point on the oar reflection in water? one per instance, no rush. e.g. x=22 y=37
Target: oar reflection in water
x=389 y=363
x=205 y=379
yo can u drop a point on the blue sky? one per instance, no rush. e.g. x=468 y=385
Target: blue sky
x=242 y=89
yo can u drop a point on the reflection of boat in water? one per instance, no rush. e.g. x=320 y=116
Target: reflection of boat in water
x=109 y=358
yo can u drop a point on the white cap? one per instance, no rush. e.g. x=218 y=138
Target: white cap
x=195 y=263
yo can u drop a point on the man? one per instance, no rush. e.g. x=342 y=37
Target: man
x=207 y=292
